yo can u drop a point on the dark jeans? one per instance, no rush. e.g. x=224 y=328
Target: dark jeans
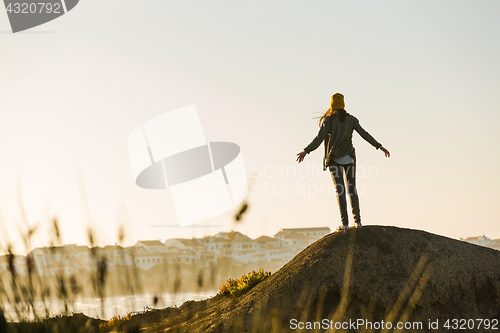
x=337 y=172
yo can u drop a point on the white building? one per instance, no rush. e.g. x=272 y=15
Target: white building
x=145 y=254
x=483 y=241
x=19 y=264
x=316 y=233
x=147 y=260
x=152 y=245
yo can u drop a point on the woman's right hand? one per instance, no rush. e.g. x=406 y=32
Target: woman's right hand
x=386 y=152
x=300 y=156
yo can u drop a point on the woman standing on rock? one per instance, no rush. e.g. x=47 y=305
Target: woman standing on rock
x=336 y=127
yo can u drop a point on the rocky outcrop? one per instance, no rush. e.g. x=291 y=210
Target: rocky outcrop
x=375 y=273
x=370 y=276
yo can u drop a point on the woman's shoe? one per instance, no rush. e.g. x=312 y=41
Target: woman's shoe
x=343 y=228
x=357 y=225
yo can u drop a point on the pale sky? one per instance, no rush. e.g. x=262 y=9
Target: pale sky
x=421 y=76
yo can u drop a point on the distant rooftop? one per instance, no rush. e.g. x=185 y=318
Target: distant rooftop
x=151 y=242
x=234 y=235
x=296 y=235
x=191 y=242
x=266 y=239
x=307 y=229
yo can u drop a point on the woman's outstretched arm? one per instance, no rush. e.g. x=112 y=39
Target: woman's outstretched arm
x=365 y=135
x=323 y=132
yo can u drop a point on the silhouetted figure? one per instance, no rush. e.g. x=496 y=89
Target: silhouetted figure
x=336 y=127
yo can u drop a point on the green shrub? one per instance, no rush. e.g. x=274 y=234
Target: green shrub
x=244 y=283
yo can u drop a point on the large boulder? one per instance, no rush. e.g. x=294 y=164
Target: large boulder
x=374 y=274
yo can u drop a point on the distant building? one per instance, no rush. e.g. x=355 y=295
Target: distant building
x=203 y=252
x=483 y=241
x=496 y=244
x=263 y=241
x=298 y=241
x=118 y=256
x=479 y=240
x=300 y=238
x=242 y=247
x=308 y=232
x=151 y=245
x=18 y=262
x=148 y=260
x=66 y=259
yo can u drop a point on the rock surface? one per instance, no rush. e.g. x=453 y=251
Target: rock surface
x=375 y=273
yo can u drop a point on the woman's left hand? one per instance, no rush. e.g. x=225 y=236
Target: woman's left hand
x=301 y=155
x=386 y=152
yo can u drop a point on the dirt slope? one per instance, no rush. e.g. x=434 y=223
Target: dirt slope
x=374 y=273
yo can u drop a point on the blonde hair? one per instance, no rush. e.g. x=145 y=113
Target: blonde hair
x=341 y=112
